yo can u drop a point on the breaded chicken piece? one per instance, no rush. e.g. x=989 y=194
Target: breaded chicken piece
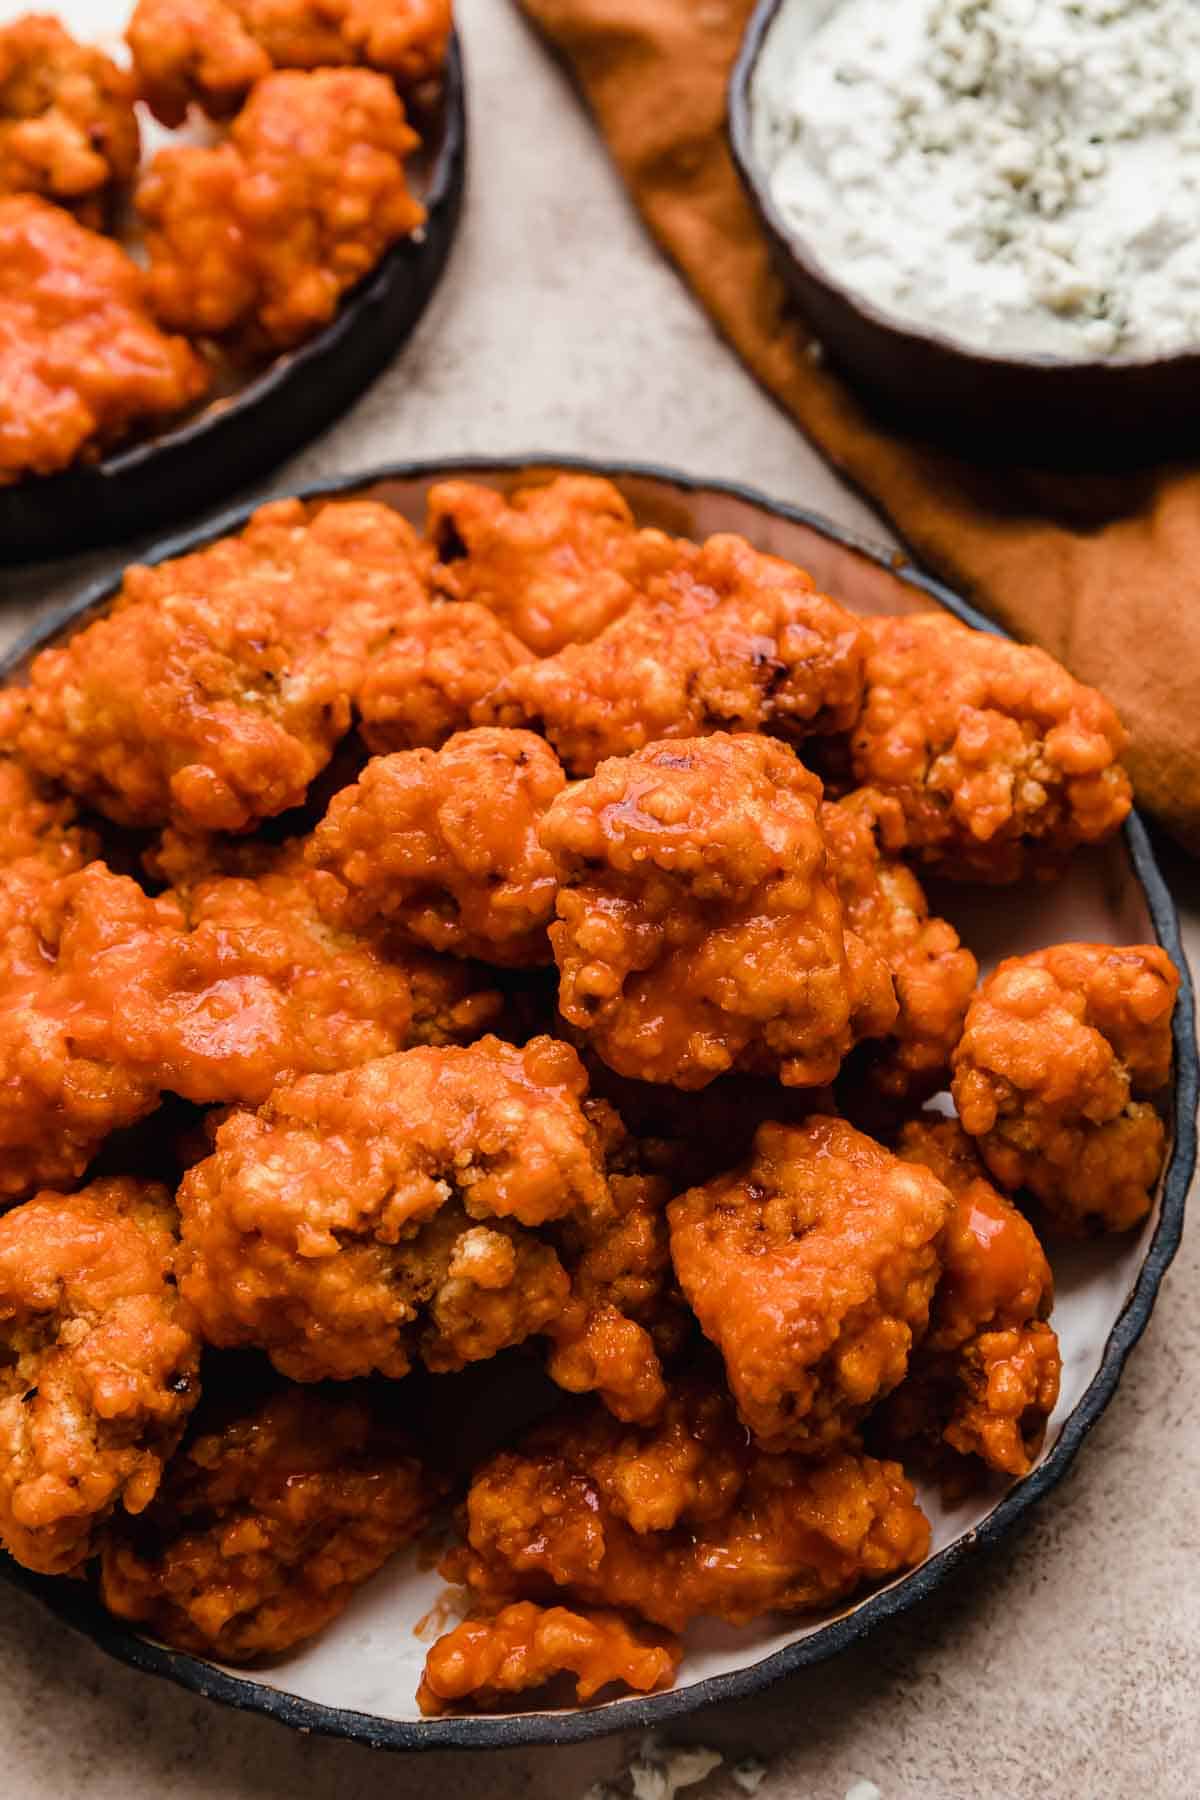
x=68 y=130
x=442 y=846
x=987 y=759
x=110 y=998
x=255 y=240
x=265 y=1525
x=698 y=928
x=556 y=563
x=64 y=1085
x=82 y=361
x=210 y=53
x=933 y=973
x=434 y=670
x=37 y=823
x=220 y=682
x=99 y=1366
x=484 y=1661
x=986 y=1378
x=361 y=1220
x=682 y=1519
x=811 y=1268
x=727 y=640
x=255 y=982
x=1060 y=1057
x=625 y=1311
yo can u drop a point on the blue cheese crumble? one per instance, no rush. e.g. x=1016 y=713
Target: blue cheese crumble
x=1020 y=175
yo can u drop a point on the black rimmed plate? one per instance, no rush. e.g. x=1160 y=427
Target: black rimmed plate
x=240 y=436
x=358 y=1678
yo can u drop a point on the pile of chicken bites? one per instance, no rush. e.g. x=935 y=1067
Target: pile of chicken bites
x=249 y=241
x=433 y=951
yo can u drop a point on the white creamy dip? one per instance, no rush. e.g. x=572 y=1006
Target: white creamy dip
x=1021 y=175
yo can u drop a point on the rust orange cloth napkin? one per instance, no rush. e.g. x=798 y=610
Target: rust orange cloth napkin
x=1104 y=571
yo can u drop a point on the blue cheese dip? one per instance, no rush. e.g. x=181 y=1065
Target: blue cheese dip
x=1022 y=176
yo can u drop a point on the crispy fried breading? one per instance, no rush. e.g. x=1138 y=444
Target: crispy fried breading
x=986 y=1378
x=727 y=640
x=256 y=239
x=266 y=1524
x=556 y=564
x=436 y=667
x=187 y=51
x=1061 y=1053
x=68 y=130
x=443 y=845
x=217 y=687
x=625 y=1308
x=361 y=1220
x=211 y=52
x=36 y=822
x=985 y=756
x=111 y=998
x=681 y=1519
x=257 y=983
x=698 y=928
x=812 y=1269
x=483 y=1661
x=99 y=1367
x=64 y=1085
x=81 y=359
x=933 y=973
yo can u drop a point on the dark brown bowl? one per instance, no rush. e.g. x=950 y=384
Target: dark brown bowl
x=242 y=436
x=1032 y=410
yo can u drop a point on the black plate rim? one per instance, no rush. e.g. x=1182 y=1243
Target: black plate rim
x=285 y=405
x=73 y=1605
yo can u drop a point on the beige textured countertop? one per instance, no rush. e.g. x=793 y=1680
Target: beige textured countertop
x=1067 y=1663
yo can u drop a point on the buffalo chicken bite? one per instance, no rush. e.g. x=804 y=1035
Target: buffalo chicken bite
x=64 y=1083
x=680 y=1519
x=624 y=1311
x=256 y=239
x=933 y=973
x=68 y=130
x=265 y=1525
x=362 y=1220
x=427 y=680
x=484 y=1661
x=984 y=756
x=985 y=1379
x=1055 y=1073
x=99 y=1367
x=442 y=846
x=698 y=928
x=210 y=53
x=812 y=1269
x=37 y=823
x=251 y=981
x=82 y=360
x=111 y=998
x=725 y=640
x=219 y=684
x=556 y=564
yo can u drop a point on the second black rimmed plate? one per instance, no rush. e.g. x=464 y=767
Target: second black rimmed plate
x=357 y=1679
x=241 y=435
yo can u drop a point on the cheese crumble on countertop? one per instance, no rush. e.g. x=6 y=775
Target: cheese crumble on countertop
x=1020 y=175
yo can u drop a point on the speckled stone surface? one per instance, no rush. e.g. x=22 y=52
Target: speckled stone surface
x=1066 y=1664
